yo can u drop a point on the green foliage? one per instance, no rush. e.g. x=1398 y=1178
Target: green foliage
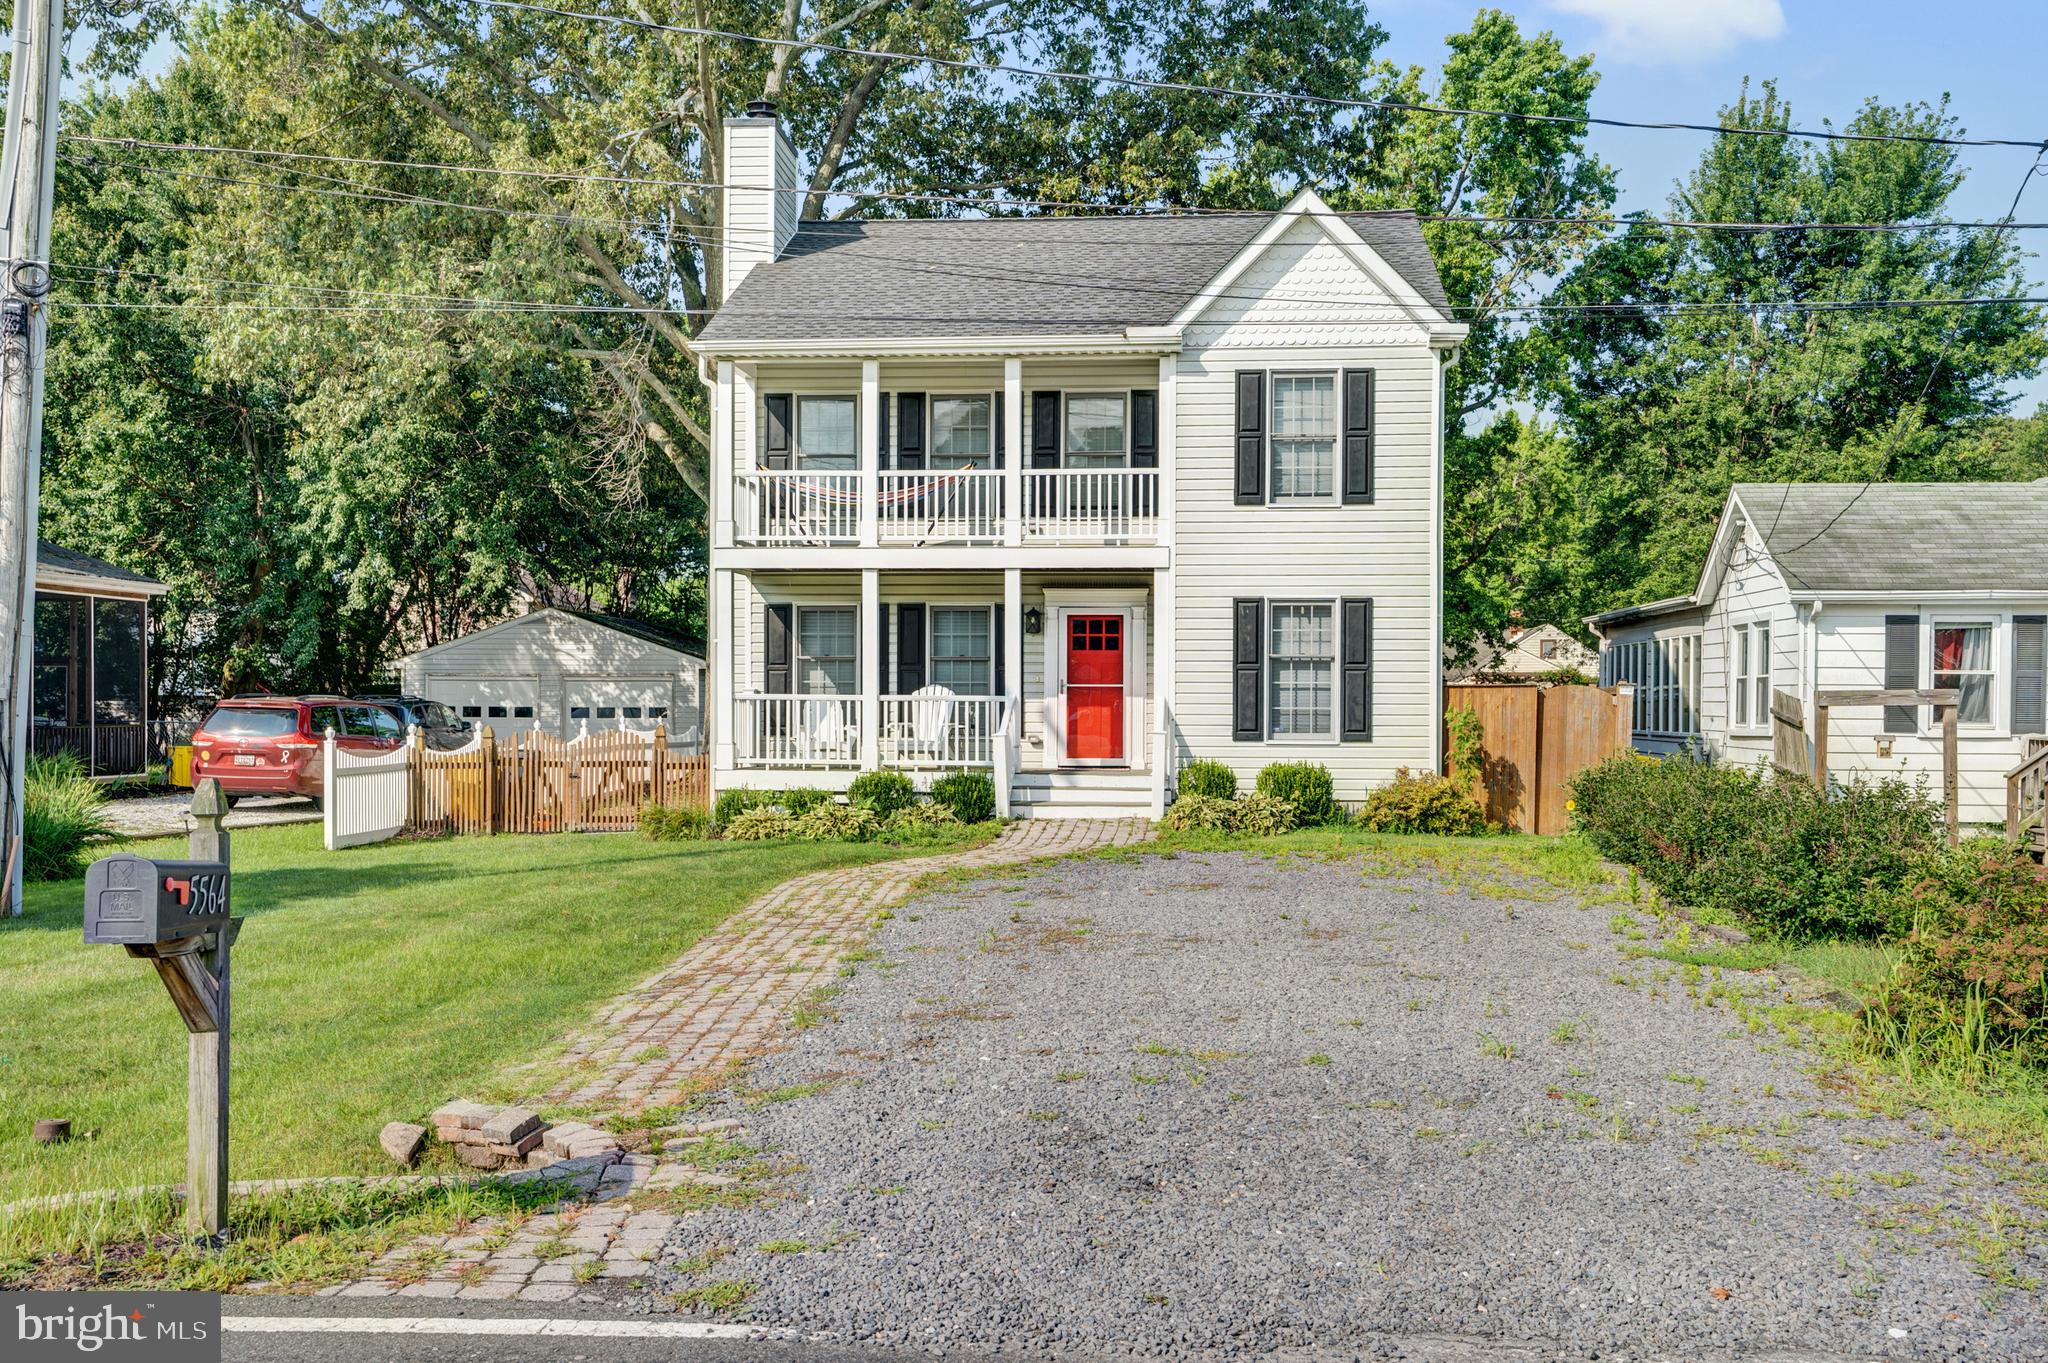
x=1191 y=812
x=1265 y=815
x=1423 y=804
x=760 y=823
x=970 y=795
x=1206 y=777
x=62 y=814
x=1784 y=858
x=1306 y=786
x=885 y=792
x=674 y=823
x=737 y=800
x=1465 y=749
x=834 y=822
x=922 y=823
x=798 y=801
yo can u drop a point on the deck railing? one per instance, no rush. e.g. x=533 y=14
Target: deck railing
x=797 y=731
x=957 y=506
x=947 y=506
x=940 y=731
x=1088 y=506
x=2026 y=797
x=781 y=506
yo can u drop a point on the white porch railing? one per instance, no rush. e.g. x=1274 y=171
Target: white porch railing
x=797 y=731
x=1091 y=505
x=940 y=731
x=783 y=506
x=957 y=506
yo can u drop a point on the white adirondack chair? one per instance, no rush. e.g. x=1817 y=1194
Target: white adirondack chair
x=831 y=737
x=922 y=734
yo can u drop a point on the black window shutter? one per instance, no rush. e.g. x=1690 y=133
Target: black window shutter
x=1248 y=655
x=1251 y=437
x=2029 y=673
x=909 y=647
x=1144 y=428
x=1355 y=639
x=777 y=677
x=884 y=453
x=910 y=430
x=1045 y=430
x=882 y=645
x=775 y=455
x=999 y=648
x=1358 y=417
x=1901 y=670
x=996 y=441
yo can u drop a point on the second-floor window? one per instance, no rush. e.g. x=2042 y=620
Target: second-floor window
x=1304 y=446
x=1097 y=436
x=826 y=662
x=827 y=435
x=962 y=431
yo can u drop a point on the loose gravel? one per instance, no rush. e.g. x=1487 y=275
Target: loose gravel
x=1174 y=1105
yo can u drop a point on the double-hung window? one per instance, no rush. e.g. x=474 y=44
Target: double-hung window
x=1097 y=431
x=825 y=642
x=1304 y=444
x=1751 y=680
x=962 y=431
x=1962 y=661
x=827 y=434
x=1301 y=663
x=960 y=657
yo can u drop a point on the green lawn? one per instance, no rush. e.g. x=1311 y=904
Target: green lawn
x=370 y=984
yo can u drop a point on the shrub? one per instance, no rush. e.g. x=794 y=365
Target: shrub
x=1212 y=779
x=1190 y=812
x=61 y=813
x=1465 y=750
x=674 y=823
x=1264 y=816
x=1306 y=786
x=835 y=822
x=1783 y=857
x=970 y=795
x=762 y=823
x=927 y=822
x=885 y=792
x=798 y=801
x=1422 y=804
x=737 y=801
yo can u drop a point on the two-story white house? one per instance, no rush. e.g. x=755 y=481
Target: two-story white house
x=1076 y=500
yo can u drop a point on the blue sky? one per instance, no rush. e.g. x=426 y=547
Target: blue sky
x=1684 y=59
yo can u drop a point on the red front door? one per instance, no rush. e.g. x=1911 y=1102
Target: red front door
x=1095 y=688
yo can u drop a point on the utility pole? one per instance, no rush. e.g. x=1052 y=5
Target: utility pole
x=28 y=182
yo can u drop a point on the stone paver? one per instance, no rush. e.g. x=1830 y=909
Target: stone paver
x=726 y=999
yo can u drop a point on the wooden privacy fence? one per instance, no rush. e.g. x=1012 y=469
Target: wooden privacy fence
x=537 y=783
x=1538 y=737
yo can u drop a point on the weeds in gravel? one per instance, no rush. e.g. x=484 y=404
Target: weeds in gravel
x=784 y=1247
x=717 y=1298
x=1494 y=1048
x=703 y=1259
x=1569 y=1031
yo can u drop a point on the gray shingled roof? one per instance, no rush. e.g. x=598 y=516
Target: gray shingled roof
x=1044 y=276
x=59 y=559
x=1904 y=537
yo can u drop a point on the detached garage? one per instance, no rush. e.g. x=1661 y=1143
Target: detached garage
x=559 y=670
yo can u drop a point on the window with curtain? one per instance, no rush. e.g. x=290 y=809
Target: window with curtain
x=1304 y=444
x=1096 y=435
x=960 y=649
x=1962 y=660
x=962 y=431
x=827 y=435
x=1301 y=660
x=827 y=664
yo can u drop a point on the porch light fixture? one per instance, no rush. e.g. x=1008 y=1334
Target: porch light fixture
x=1034 y=620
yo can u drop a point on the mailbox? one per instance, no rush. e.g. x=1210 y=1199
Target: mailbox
x=132 y=900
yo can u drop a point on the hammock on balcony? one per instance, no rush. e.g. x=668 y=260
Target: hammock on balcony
x=828 y=492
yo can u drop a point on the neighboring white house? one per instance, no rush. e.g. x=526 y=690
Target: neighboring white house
x=1073 y=499
x=561 y=670
x=1842 y=586
x=1531 y=653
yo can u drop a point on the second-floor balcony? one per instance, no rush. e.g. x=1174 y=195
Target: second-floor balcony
x=1082 y=506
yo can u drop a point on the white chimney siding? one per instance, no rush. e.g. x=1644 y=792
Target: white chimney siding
x=761 y=205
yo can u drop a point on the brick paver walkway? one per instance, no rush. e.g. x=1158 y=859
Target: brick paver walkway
x=727 y=997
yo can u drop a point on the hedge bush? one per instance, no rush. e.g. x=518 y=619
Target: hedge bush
x=1783 y=857
x=737 y=801
x=1212 y=779
x=1266 y=816
x=970 y=795
x=798 y=801
x=1422 y=804
x=674 y=823
x=762 y=823
x=1191 y=813
x=62 y=814
x=1306 y=786
x=885 y=792
x=927 y=822
x=835 y=822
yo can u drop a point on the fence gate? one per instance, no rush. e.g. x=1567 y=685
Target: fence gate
x=537 y=783
x=364 y=798
x=1538 y=737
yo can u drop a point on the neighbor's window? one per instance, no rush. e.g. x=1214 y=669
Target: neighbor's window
x=1752 y=678
x=826 y=662
x=1095 y=431
x=826 y=433
x=960 y=649
x=962 y=431
x=1301 y=661
x=1962 y=660
x=1546 y=649
x=1304 y=449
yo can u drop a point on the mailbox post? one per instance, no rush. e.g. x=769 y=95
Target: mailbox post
x=177 y=916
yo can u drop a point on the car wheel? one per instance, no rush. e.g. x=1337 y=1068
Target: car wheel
x=231 y=800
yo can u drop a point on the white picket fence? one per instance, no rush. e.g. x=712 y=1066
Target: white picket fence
x=366 y=795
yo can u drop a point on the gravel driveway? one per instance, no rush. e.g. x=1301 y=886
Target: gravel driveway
x=1170 y=1105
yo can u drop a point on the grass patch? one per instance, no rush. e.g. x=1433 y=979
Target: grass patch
x=718 y=1297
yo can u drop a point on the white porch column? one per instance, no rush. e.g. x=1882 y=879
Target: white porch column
x=870 y=450
x=718 y=716
x=1013 y=453
x=1162 y=678
x=1169 y=427
x=1012 y=644
x=725 y=460
x=870 y=670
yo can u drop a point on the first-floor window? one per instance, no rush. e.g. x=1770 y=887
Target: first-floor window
x=1752 y=679
x=1962 y=662
x=826 y=661
x=960 y=649
x=1301 y=660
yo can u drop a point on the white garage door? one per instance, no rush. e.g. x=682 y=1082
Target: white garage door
x=612 y=702
x=504 y=703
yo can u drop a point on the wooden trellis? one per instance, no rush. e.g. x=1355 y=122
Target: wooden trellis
x=1943 y=699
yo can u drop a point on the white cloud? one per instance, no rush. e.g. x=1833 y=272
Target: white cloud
x=1656 y=31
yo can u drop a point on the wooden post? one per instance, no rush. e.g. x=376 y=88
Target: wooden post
x=657 y=762
x=1950 y=779
x=487 y=758
x=416 y=778
x=206 y=1100
x=1820 y=747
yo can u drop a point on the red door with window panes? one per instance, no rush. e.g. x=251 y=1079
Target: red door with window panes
x=1095 y=688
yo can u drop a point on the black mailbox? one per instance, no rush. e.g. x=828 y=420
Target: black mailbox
x=131 y=899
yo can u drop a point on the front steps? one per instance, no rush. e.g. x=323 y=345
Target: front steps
x=1081 y=793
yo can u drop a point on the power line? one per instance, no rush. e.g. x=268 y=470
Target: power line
x=1284 y=96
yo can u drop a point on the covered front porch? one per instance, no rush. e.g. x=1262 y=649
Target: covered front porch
x=1050 y=680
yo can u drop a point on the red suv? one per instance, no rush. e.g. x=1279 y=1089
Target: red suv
x=270 y=745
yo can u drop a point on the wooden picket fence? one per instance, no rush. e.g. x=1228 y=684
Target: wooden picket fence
x=537 y=783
